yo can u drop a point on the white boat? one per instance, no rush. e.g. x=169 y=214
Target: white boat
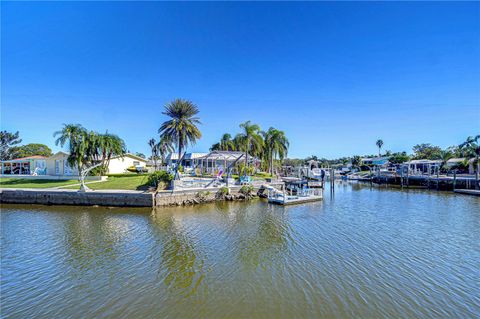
x=303 y=196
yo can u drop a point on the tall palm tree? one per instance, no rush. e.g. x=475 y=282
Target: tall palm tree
x=472 y=148
x=70 y=133
x=182 y=126
x=164 y=147
x=379 y=144
x=250 y=138
x=276 y=143
x=153 y=147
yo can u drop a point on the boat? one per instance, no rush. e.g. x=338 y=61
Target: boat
x=304 y=195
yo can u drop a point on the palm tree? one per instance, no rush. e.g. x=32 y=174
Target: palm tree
x=88 y=149
x=70 y=133
x=215 y=147
x=153 y=147
x=379 y=144
x=110 y=145
x=226 y=143
x=356 y=161
x=445 y=155
x=250 y=139
x=276 y=143
x=182 y=126
x=164 y=147
x=472 y=148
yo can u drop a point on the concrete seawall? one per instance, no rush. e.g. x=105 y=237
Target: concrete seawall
x=73 y=197
x=122 y=198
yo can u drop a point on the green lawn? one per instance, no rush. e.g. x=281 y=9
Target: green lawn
x=130 y=182
x=33 y=183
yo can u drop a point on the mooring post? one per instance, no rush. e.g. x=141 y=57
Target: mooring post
x=401 y=178
x=454 y=178
x=428 y=176
x=438 y=173
x=408 y=174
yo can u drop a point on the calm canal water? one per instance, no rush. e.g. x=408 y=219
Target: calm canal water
x=363 y=253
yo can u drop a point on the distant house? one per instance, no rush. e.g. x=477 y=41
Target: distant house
x=119 y=164
x=422 y=166
x=57 y=166
x=456 y=161
x=188 y=161
x=376 y=161
x=25 y=166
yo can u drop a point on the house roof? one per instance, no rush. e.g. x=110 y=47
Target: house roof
x=381 y=158
x=119 y=156
x=456 y=160
x=131 y=156
x=174 y=156
x=30 y=157
x=423 y=161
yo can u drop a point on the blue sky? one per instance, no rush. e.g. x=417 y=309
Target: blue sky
x=334 y=76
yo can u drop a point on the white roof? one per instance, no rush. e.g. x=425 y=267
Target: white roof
x=424 y=161
x=174 y=156
x=456 y=160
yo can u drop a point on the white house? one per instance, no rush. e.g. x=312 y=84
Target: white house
x=119 y=164
x=56 y=166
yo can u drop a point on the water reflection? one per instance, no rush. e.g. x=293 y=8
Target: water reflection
x=267 y=240
x=181 y=265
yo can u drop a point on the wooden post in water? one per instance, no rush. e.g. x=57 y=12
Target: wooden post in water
x=428 y=176
x=438 y=173
x=454 y=178
x=401 y=178
x=408 y=172
x=332 y=179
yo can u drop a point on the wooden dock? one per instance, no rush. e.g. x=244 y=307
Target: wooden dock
x=292 y=200
x=468 y=192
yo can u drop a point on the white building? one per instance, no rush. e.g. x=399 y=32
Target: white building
x=56 y=166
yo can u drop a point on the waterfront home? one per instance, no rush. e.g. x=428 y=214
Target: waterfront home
x=57 y=166
x=189 y=160
x=120 y=164
x=25 y=166
x=376 y=161
x=456 y=161
x=422 y=166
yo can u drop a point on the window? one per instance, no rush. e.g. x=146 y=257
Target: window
x=136 y=163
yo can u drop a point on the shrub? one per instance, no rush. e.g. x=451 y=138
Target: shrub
x=159 y=177
x=247 y=190
x=222 y=192
x=202 y=195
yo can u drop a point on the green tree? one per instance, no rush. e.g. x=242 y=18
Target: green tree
x=154 y=149
x=356 y=161
x=88 y=149
x=276 y=143
x=31 y=149
x=165 y=147
x=379 y=144
x=226 y=143
x=472 y=148
x=182 y=126
x=7 y=140
x=427 y=151
x=399 y=158
x=110 y=145
x=140 y=155
x=250 y=139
